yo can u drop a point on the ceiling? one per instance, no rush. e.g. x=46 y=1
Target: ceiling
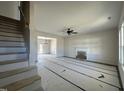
x=83 y=16
x=48 y=38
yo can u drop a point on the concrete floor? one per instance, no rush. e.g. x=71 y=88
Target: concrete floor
x=66 y=74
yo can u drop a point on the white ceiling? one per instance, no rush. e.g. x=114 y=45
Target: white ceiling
x=48 y=38
x=83 y=16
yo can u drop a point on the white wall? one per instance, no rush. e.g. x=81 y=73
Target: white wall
x=33 y=47
x=121 y=67
x=100 y=46
x=33 y=38
x=10 y=9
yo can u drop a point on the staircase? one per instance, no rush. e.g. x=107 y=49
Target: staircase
x=15 y=72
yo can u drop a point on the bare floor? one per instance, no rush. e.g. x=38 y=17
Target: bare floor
x=66 y=74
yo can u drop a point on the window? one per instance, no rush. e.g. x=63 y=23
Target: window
x=121 y=45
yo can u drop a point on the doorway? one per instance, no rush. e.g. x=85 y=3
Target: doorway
x=46 y=46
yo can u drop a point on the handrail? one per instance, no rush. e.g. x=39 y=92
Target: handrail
x=22 y=15
x=26 y=28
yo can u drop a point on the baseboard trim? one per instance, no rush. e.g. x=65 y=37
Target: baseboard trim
x=93 y=61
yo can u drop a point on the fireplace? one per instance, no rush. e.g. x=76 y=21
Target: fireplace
x=81 y=55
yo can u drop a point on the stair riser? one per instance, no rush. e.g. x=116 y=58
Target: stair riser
x=17 y=77
x=8 y=24
x=12 y=57
x=13 y=66
x=13 y=31
x=8 y=20
x=11 y=34
x=11 y=38
x=7 y=27
x=11 y=43
x=32 y=87
x=16 y=49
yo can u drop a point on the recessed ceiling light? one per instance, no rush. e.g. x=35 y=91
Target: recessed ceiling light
x=109 y=18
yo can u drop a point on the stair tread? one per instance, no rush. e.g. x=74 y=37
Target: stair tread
x=11 y=22
x=11 y=46
x=7 y=27
x=21 y=83
x=16 y=71
x=13 y=61
x=8 y=19
x=12 y=36
x=5 y=46
x=7 y=30
x=10 y=31
x=10 y=25
x=10 y=41
x=12 y=53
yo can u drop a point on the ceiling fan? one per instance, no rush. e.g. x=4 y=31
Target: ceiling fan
x=70 y=31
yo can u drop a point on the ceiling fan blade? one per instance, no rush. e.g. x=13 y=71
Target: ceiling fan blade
x=74 y=32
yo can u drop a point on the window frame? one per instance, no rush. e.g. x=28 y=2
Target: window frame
x=121 y=45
